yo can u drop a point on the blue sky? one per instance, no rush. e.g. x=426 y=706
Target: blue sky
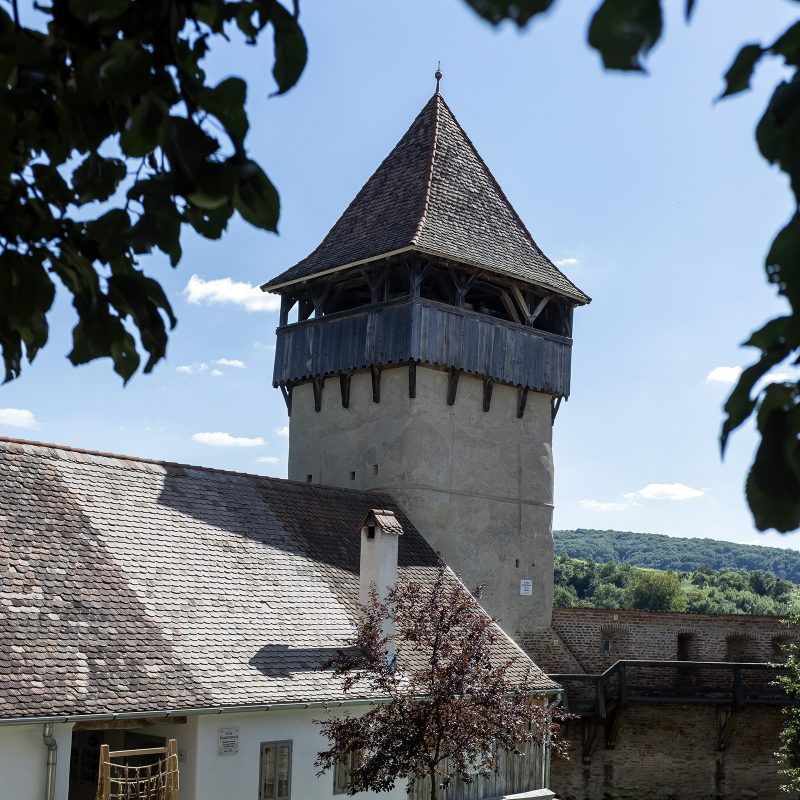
x=651 y=195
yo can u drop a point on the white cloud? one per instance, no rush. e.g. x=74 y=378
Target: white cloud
x=231 y=362
x=268 y=460
x=665 y=491
x=224 y=291
x=220 y=439
x=192 y=369
x=284 y=431
x=566 y=262
x=724 y=375
x=217 y=373
x=597 y=505
x=17 y=418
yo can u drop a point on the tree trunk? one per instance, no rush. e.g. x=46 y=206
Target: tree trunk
x=432 y=775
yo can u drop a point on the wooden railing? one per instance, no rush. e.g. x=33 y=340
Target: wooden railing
x=425 y=332
x=734 y=684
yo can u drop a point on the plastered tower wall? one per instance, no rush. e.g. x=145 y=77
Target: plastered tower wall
x=478 y=485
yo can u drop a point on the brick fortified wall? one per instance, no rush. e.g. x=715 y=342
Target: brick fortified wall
x=665 y=751
x=671 y=753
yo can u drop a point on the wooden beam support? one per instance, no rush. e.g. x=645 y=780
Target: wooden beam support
x=521 y=302
x=376 y=384
x=306 y=309
x=412 y=379
x=287 y=303
x=286 y=391
x=509 y=307
x=555 y=404
x=452 y=385
x=539 y=308
x=318 y=297
x=522 y=399
x=344 y=386
x=318 y=383
x=612 y=728
x=488 y=385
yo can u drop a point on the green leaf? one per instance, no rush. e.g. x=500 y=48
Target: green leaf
x=226 y=102
x=52 y=185
x=783 y=261
x=623 y=31
x=773 y=483
x=26 y=295
x=133 y=294
x=788 y=45
x=255 y=197
x=110 y=234
x=291 y=50
x=143 y=130
x=97 y=178
x=210 y=223
x=520 y=12
x=93 y=10
x=738 y=76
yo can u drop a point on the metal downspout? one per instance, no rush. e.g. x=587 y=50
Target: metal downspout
x=52 y=759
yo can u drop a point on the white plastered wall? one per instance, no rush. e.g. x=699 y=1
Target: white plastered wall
x=22 y=761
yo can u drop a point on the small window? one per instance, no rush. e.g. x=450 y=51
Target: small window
x=308 y=478
x=374 y=469
x=343 y=770
x=370 y=531
x=352 y=475
x=606 y=645
x=276 y=771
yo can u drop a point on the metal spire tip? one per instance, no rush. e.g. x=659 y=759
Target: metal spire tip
x=438 y=75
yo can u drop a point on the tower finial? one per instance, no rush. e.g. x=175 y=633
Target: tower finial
x=438 y=75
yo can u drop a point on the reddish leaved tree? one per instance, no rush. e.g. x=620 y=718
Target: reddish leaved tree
x=456 y=693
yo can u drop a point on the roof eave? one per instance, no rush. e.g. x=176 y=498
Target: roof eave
x=577 y=297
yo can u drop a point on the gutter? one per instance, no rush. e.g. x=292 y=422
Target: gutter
x=52 y=759
x=207 y=710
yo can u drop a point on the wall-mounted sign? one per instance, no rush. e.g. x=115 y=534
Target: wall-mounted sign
x=228 y=741
x=526 y=588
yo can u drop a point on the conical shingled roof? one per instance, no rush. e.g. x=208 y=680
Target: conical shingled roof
x=434 y=194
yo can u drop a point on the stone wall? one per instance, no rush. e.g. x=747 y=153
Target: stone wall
x=477 y=484
x=598 y=638
x=673 y=753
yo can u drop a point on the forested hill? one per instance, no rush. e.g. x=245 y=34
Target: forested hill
x=679 y=554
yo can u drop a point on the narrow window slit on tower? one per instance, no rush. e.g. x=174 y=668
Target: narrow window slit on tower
x=452 y=386
x=352 y=475
x=317 y=385
x=344 y=386
x=488 y=385
x=522 y=399
x=308 y=478
x=374 y=469
x=376 y=384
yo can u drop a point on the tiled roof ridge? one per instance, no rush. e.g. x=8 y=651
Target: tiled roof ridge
x=522 y=226
x=437 y=99
x=133 y=461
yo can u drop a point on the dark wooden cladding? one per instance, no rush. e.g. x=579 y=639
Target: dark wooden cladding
x=416 y=329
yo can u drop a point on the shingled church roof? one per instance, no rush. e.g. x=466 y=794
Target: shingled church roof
x=434 y=194
x=131 y=585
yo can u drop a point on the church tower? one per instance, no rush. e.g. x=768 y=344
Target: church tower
x=423 y=350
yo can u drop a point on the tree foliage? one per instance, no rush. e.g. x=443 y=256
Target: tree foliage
x=789 y=750
x=109 y=144
x=583 y=583
x=112 y=140
x=676 y=553
x=452 y=698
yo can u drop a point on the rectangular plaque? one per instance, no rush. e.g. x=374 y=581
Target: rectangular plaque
x=526 y=587
x=228 y=741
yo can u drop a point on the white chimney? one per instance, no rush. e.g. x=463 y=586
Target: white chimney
x=380 y=533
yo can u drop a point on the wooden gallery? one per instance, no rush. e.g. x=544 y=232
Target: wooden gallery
x=163 y=625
